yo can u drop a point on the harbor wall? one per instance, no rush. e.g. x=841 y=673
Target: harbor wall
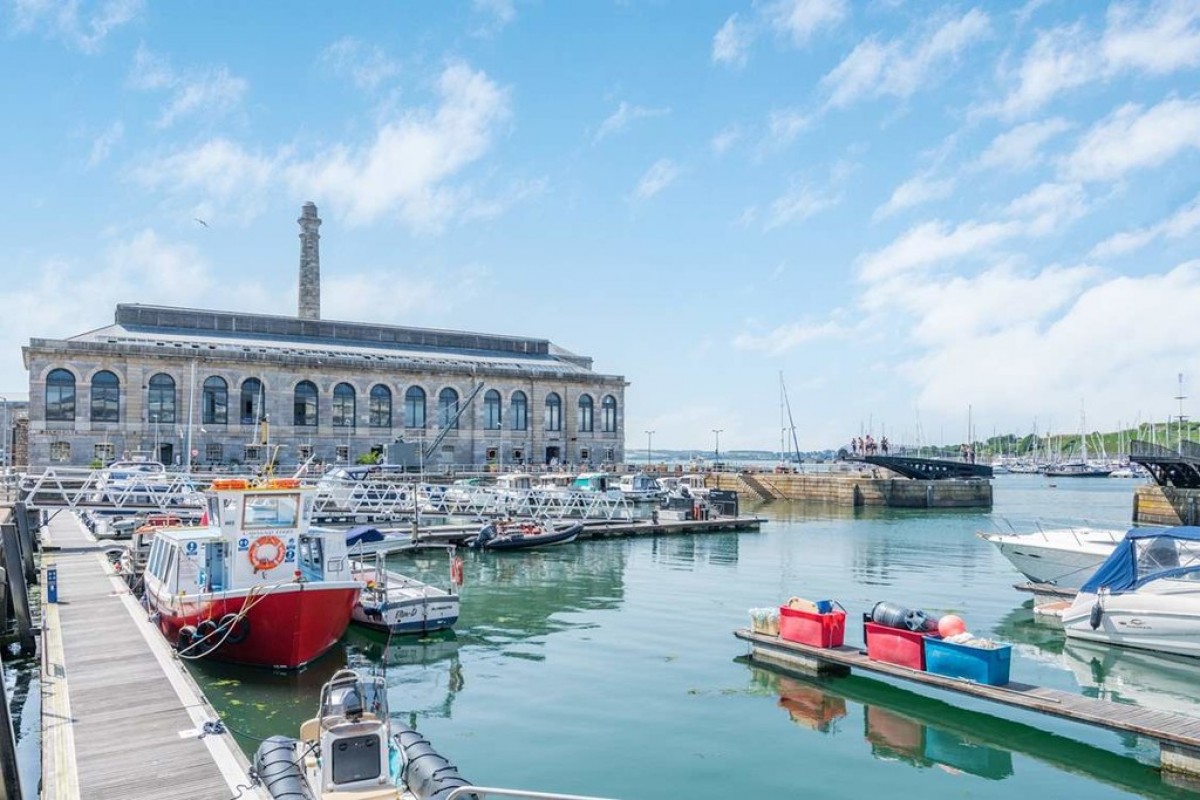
x=857 y=490
x=1166 y=505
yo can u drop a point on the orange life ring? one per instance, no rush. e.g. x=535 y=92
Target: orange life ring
x=456 y=571
x=264 y=563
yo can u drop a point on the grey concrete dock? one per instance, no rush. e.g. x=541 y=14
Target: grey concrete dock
x=115 y=700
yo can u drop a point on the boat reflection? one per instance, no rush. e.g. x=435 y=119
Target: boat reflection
x=692 y=551
x=924 y=732
x=424 y=675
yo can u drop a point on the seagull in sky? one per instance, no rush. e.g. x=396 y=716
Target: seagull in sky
x=202 y=222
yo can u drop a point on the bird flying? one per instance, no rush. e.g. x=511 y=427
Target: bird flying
x=202 y=222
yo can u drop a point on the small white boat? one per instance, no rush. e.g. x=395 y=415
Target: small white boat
x=1145 y=595
x=397 y=603
x=640 y=488
x=1063 y=557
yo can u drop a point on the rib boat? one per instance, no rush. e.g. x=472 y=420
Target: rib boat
x=1145 y=595
x=253 y=585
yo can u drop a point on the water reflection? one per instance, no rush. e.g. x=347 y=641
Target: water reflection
x=424 y=675
x=690 y=552
x=907 y=727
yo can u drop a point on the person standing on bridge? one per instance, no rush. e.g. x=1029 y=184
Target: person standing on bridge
x=883 y=445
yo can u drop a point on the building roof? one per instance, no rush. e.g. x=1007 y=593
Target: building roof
x=186 y=330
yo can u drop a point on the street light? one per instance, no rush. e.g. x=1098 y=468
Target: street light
x=717 y=447
x=649 y=440
x=7 y=438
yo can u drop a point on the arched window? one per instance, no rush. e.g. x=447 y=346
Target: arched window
x=160 y=399
x=380 y=406
x=553 y=412
x=214 y=401
x=586 y=424
x=60 y=396
x=106 y=397
x=491 y=410
x=608 y=409
x=520 y=412
x=304 y=407
x=252 y=403
x=343 y=406
x=414 y=407
x=447 y=408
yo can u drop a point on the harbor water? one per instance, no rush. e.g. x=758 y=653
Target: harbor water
x=608 y=667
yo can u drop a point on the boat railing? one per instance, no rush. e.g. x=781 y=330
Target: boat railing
x=463 y=792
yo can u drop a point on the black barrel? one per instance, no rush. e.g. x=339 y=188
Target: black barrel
x=426 y=774
x=277 y=767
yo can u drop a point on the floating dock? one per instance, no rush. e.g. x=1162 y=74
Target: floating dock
x=1178 y=735
x=120 y=714
x=594 y=529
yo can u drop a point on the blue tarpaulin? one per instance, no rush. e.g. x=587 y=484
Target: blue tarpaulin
x=1119 y=572
x=363 y=534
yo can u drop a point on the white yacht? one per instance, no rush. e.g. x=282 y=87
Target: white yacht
x=1146 y=595
x=640 y=488
x=1063 y=557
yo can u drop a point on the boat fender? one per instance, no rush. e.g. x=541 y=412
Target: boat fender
x=236 y=629
x=427 y=775
x=280 y=770
x=1096 y=615
x=187 y=635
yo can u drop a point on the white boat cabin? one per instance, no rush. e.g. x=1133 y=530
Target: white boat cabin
x=556 y=481
x=515 y=482
x=593 y=482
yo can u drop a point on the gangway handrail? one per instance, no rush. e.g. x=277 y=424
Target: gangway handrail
x=475 y=791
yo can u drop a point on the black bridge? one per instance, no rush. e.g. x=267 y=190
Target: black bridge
x=1168 y=466
x=929 y=469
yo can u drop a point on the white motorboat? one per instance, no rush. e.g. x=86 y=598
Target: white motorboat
x=1063 y=557
x=398 y=603
x=640 y=488
x=1146 y=595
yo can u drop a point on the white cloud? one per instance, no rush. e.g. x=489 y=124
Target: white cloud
x=210 y=92
x=230 y=181
x=367 y=65
x=797 y=204
x=788 y=337
x=103 y=144
x=662 y=173
x=493 y=15
x=1132 y=137
x=799 y=20
x=730 y=43
x=1020 y=147
x=900 y=67
x=82 y=28
x=915 y=191
x=405 y=168
x=1180 y=224
x=725 y=139
x=784 y=125
x=620 y=119
x=1156 y=38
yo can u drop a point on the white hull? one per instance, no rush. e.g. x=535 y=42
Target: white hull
x=1163 y=616
x=1065 y=558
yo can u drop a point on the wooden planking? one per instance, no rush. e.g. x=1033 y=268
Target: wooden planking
x=1178 y=729
x=125 y=715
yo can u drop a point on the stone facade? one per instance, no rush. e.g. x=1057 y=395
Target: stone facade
x=310 y=262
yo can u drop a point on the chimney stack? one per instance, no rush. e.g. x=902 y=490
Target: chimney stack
x=310 y=262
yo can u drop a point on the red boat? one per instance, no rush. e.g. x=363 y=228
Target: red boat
x=254 y=585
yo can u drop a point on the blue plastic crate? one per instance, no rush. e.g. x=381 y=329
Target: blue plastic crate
x=977 y=664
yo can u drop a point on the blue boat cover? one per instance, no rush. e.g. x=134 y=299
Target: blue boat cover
x=1119 y=572
x=363 y=533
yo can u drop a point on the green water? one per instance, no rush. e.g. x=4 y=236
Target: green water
x=609 y=667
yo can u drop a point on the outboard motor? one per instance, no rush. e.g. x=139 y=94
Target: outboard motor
x=485 y=535
x=426 y=774
x=277 y=767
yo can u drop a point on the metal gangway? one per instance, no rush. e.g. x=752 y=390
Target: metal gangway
x=98 y=490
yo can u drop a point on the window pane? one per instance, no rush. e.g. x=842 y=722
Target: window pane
x=106 y=397
x=520 y=412
x=414 y=407
x=214 y=402
x=448 y=408
x=304 y=407
x=250 y=406
x=60 y=396
x=381 y=407
x=343 y=406
x=160 y=400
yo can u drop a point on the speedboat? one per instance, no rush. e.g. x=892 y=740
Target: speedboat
x=399 y=604
x=1079 y=469
x=1145 y=595
x=1063 y=557
x=254 y=584
x=509 y=535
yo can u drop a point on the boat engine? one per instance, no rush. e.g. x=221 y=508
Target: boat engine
x=485 y=535
x=426 y=774
x=277 y=767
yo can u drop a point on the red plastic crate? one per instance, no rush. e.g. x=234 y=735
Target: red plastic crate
x=895 y=646
x=815 y=630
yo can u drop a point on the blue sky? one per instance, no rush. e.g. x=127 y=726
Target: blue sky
x=907 y=208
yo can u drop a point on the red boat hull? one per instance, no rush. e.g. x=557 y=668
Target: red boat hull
x=285 y=628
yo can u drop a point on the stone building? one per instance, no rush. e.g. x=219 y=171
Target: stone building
x=238 y=387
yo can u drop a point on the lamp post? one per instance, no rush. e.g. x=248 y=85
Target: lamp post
x=7 y=437
x=649 y=441
x=717 y=445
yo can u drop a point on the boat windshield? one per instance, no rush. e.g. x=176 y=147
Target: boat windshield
x=344 y=692
x=1166 y=554
x=271 y=511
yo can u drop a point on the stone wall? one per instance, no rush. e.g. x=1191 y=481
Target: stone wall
x=1165 y=505
x=861 y=490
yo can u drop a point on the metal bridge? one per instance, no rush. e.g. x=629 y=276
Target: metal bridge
x=929 y=469
x=93 y=490
x=1169 y=467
